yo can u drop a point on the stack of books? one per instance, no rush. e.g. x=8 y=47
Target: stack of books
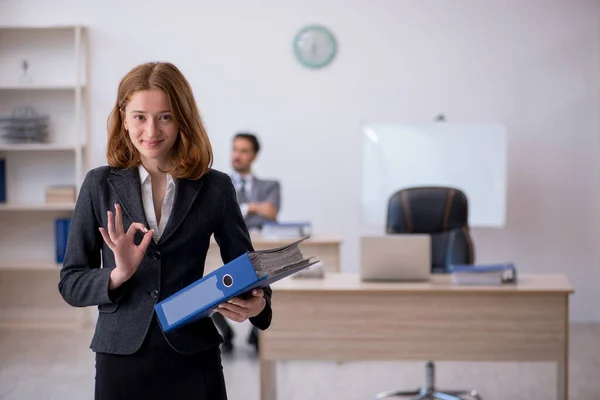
x=60 y=194
x=237 y=278
x=491 y=274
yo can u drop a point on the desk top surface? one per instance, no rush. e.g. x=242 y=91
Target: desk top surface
x=258 y=240
x=341 y=282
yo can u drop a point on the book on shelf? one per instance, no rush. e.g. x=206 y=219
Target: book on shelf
x=61 y=234
x=487 y=274
x=251 y=270
x=60 y=194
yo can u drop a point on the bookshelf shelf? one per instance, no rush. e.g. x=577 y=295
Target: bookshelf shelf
x=29 y=265
x=43 y=68
x=37 y=207
x=37 y=87
x=40 y=317
x=39 y=27
x=36 y=147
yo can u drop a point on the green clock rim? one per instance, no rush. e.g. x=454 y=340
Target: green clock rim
x=327 y=33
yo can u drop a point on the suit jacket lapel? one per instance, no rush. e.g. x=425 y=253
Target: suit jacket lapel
x=186 y=192
x=127 y=186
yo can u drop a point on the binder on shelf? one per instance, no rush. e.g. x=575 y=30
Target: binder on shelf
x=237 y=278
x=490 y=274
x=2 y=180
x=61 y=234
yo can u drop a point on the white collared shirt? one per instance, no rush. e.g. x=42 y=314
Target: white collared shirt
x=236 y=178
x=237 y=182
x=148 y=202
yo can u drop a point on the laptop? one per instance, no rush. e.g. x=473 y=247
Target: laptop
x=395 y=257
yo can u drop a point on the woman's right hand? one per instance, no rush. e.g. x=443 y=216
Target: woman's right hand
x=128 y=256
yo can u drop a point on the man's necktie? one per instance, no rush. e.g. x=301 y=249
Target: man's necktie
x=242 y=198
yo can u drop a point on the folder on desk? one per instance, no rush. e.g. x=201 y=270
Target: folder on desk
x=489 y=274
x=277 y=230
x=249 y=271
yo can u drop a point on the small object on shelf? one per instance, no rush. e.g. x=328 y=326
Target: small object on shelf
x=60 y=194
x=25 y=78
x=25 y=125
x=61 y=233
x=2 y=180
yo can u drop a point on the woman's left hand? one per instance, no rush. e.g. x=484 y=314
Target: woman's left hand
x=239 y=310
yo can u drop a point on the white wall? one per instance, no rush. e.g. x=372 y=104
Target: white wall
x=532 y=66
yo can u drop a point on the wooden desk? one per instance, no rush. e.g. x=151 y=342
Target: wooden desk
x=327 y=248
x=340 y=318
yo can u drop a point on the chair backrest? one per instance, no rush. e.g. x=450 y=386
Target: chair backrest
x=441 y=212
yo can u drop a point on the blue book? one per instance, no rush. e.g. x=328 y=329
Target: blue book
x=61 y=234
x=2 y=180
x=237 y=278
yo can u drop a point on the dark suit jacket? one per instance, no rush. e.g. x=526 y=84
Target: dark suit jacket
x=201 y=208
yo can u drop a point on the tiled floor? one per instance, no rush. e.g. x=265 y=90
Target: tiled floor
x=54 y=365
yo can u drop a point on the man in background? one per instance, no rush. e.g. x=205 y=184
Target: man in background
x=259 y=201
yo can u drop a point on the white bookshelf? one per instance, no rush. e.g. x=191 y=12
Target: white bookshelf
x=54 y=84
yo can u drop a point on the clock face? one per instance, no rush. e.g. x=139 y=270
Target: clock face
x=314 y=46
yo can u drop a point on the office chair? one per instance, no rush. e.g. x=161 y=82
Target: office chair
x=442 y=213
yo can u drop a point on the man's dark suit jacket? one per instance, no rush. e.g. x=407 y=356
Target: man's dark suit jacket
x=201 y=208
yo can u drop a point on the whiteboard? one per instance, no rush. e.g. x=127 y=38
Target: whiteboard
x=472 y=158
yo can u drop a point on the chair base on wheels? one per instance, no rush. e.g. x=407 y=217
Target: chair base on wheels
x=429 y=392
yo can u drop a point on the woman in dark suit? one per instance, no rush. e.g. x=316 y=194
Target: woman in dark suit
x=141 y=231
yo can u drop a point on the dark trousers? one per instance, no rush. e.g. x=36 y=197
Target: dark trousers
x=157 y=371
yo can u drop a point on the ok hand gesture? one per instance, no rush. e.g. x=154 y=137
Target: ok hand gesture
x=128 y=256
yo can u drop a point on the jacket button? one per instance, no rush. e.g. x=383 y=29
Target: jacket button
x=154 y=294
x=155 y=255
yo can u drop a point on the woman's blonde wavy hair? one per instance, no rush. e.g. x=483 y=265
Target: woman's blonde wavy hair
x=192 y=152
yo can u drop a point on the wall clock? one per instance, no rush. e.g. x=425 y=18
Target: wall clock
x=314 y=46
